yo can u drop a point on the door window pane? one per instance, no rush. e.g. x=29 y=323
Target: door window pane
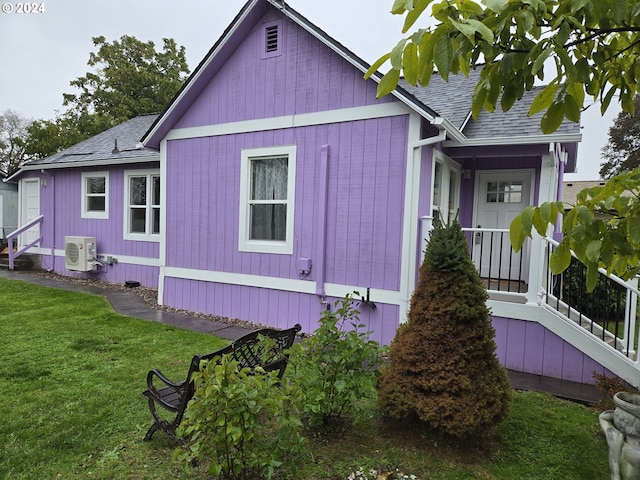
x=504 y=192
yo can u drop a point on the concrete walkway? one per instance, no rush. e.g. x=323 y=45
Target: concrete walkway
x=128 y=303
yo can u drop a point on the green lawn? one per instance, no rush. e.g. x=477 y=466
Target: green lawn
x=72 y=374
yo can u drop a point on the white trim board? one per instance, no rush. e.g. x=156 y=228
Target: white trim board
x=291 y=121
x=282 y=284
x=125 y=259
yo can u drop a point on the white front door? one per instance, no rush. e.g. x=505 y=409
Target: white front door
x=30 y=209
x=500 y=196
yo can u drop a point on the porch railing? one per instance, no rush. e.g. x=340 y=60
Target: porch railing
x=500 y=267
x=14 y=236
x=609 y=312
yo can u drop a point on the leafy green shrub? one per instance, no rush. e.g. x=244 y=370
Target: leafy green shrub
x=442 y=365
x=608 y=387
x=242 y=421
x=334 y=367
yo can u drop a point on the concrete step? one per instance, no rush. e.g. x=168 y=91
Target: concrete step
x=23 y=262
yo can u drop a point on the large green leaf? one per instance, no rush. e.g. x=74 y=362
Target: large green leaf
x=496 y=5
x=539 y=62
x=484 y=31
x=592 y=276
x=410 y=63
x=419 y=6
x=560 y=258
x=400 y=6
x=443 y=56
x=552 y=119
x=516 y=234
x=633 y=230
x=593 y=250
x=571 y=108
x=539 y=223
x=396 y=54
x=376 y=65
x=526 y=217
x=544 y=99
x=388 y=82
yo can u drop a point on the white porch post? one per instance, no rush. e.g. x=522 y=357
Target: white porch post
x=547 y=192
x=630 y=318
x=426 y=227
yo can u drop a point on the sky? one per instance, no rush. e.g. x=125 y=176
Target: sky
x=43 y=51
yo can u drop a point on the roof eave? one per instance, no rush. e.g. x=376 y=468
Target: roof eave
x=83 y=164
x=521 y=140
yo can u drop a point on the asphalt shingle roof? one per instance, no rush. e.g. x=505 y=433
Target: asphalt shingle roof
x=100 y=147
x=452 y=100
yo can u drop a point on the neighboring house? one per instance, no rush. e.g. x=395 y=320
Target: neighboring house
x=284 y=184
x=8 y=207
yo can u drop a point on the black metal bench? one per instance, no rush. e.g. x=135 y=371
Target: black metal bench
x=248 y=350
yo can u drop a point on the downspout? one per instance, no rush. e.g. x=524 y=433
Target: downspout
x=53 y=220
x=321 y=246
x=557 y=234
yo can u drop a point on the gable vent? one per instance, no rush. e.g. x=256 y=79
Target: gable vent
x=271 y=43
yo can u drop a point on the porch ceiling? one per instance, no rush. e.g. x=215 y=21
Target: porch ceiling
x=496 y=151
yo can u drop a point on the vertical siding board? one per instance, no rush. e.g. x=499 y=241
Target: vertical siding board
x=368 y=255
x=339 y=226
x=515 y=346
x=572 y=363
x=355 y=189
x=380 y=203
x=553 y=347
x=501 y=338
x=533 y=354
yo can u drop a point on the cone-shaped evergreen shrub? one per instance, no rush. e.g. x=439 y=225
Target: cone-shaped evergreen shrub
x=442 y=364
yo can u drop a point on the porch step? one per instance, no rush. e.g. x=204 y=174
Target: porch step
x=577 y=392
x=23 y=262
x=597 y=330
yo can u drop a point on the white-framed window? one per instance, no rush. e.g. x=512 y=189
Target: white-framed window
x=446 y=187
x=142 y=205
x=267 y=193
x=95 y=195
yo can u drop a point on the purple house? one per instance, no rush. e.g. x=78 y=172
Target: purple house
x=276 y=182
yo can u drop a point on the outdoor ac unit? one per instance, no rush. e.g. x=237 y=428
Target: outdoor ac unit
x=80 y=253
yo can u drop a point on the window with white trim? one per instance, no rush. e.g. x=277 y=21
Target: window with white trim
x=267 y=192
x=142 y=205
x=446 y=187
x=95 y=195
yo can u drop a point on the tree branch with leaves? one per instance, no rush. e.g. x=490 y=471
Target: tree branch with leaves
x=602 y=228
x=129 y=78
x=593 y=45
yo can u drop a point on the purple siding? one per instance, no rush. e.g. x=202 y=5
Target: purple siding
x=529 y=347
x=268 y=307
x=60 y=203
x=307 y=77
x=365 y=195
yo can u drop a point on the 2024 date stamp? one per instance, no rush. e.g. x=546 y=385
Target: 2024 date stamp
x=23 y=8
